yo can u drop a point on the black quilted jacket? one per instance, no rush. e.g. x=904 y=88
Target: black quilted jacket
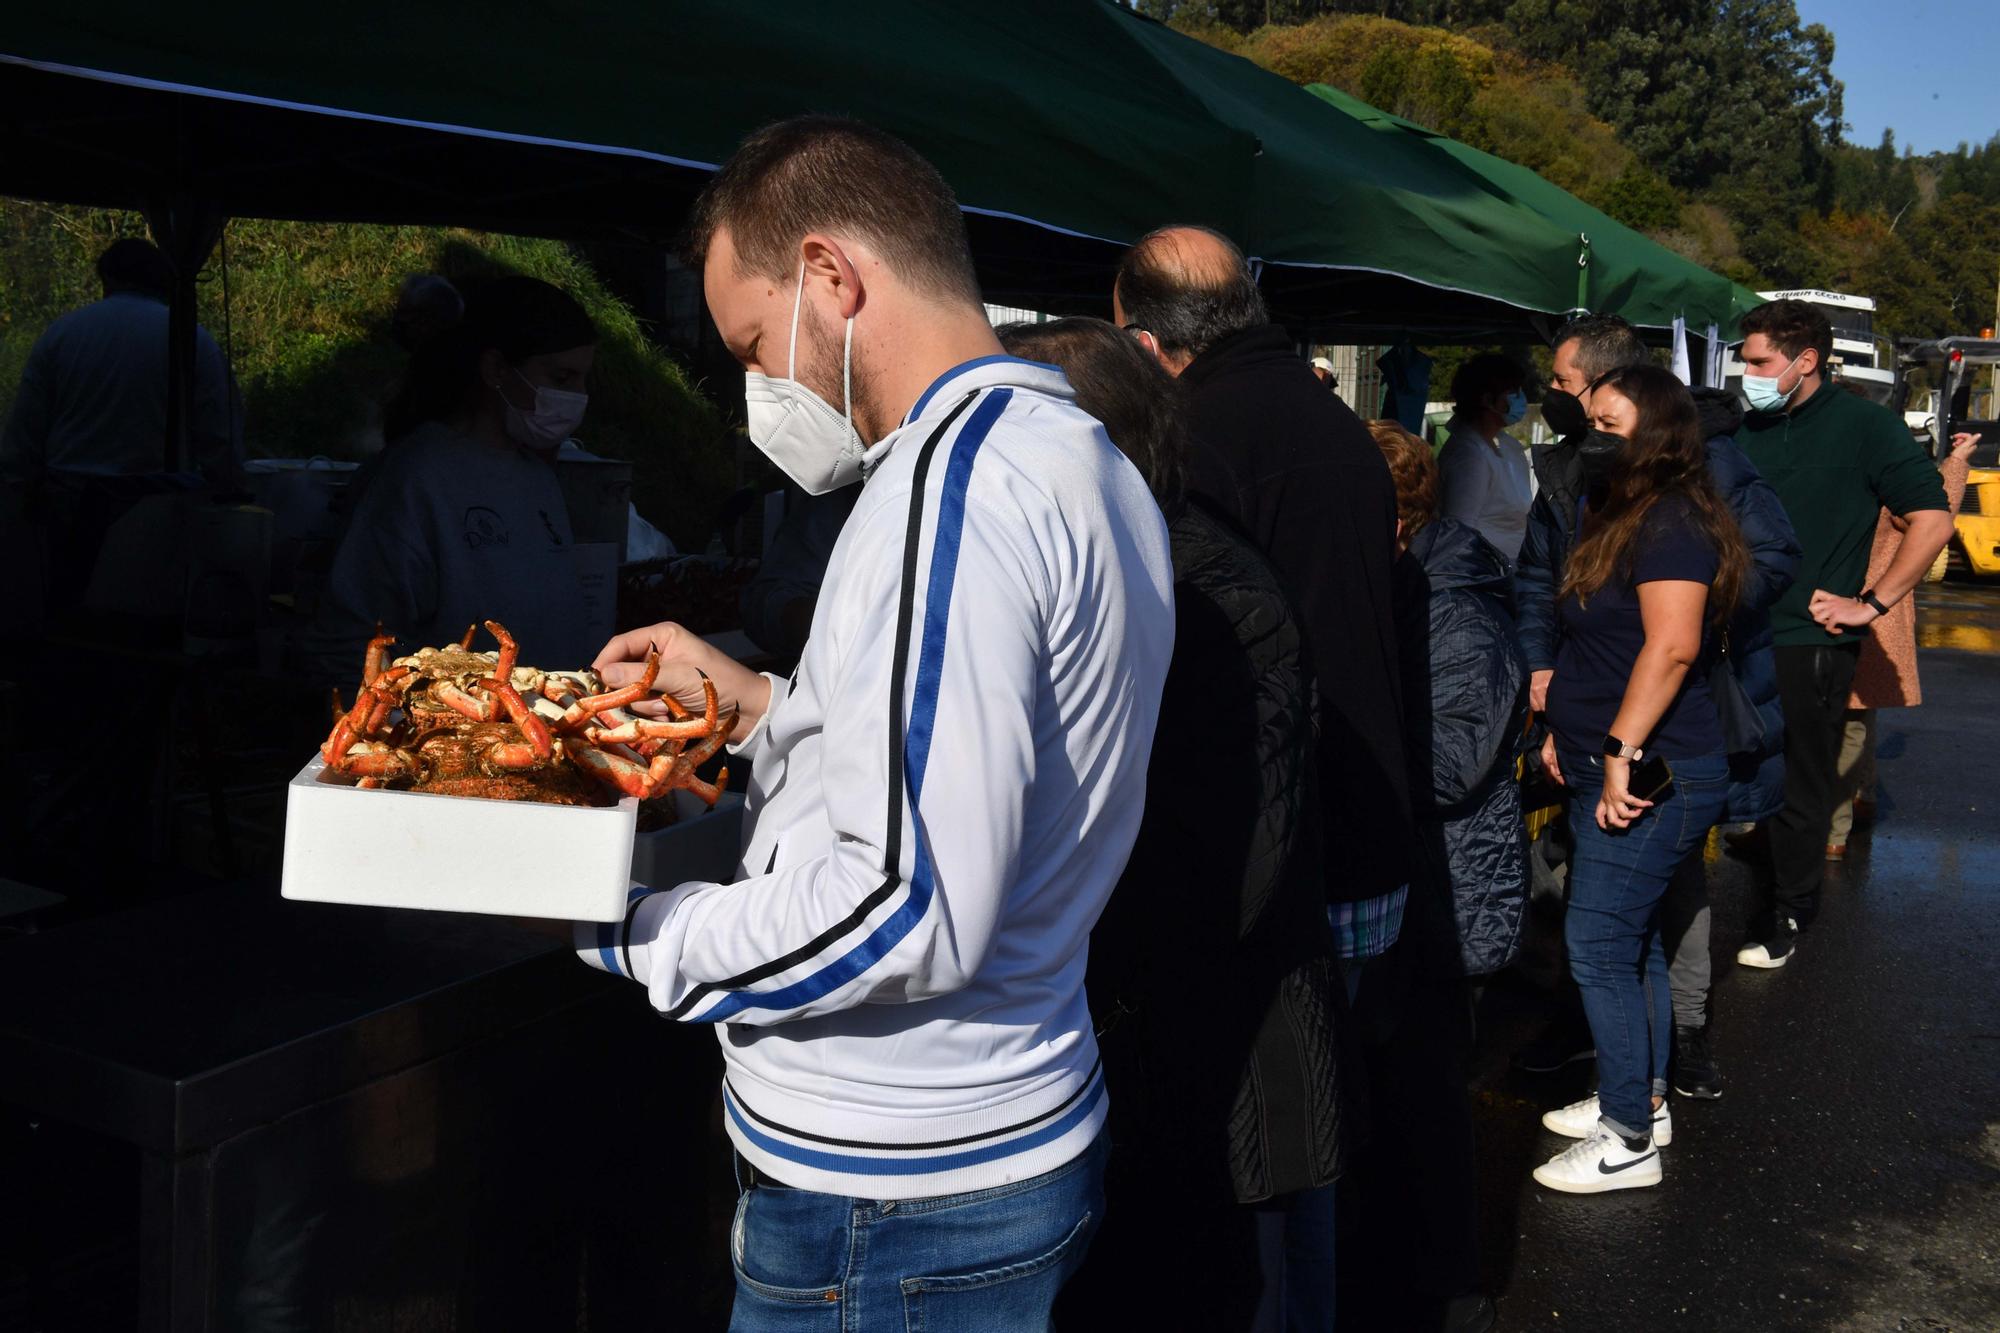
x=1211 y=972
x=1464 y=688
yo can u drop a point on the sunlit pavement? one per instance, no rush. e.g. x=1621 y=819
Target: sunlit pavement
x=1849 y=1178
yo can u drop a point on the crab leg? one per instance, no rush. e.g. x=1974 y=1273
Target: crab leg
x=510 y=652
x=378 y=762
x=665 y=773
x=377 y=655
x=478 y=709
x=588 y=707
x=465 y=644
x=532 y=727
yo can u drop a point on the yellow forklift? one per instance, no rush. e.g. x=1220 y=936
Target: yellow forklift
x=1962 y=372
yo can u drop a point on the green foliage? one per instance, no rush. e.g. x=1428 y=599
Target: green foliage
x=306 y=323
x=1641 y=199
x=1714 y=128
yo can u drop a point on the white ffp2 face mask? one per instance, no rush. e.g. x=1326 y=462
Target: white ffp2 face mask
x=795 y=428
x=556 y=415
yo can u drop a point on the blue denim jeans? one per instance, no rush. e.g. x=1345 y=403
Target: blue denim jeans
x=1617 y=878
x=990 y=1261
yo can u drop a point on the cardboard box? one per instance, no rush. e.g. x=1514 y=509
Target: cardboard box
x=702 y=844
x=455 y=853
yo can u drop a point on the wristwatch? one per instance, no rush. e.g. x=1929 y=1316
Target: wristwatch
x=1617 y=749
x=1869 y=598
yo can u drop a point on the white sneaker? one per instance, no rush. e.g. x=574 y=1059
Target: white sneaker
x=1578 y=1120
x=1599 y=1163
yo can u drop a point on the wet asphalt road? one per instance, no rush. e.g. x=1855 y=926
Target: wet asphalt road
x=1849 y=1178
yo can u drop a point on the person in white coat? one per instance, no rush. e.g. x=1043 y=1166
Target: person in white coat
x=945 y=791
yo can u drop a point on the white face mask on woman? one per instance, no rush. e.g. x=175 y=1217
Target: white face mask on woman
x=795 y=428
x=556 y=415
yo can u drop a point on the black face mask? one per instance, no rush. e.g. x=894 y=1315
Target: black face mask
x=1596 y=453
x=1564 y=413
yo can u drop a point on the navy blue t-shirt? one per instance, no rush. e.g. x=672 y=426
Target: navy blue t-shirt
x=1601 y=641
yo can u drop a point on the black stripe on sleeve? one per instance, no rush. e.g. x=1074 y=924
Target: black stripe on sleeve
x=892 y=849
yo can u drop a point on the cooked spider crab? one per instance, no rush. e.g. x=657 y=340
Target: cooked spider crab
x=461 y=722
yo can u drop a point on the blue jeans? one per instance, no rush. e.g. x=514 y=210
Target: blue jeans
x=1616 y=880
x=962 y=1263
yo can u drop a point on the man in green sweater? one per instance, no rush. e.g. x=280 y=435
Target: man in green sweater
x=1837 y=461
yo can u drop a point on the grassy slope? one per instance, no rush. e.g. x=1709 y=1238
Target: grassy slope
x=307 y=323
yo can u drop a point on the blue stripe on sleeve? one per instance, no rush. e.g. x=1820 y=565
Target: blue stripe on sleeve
x=916 y=737
x=607 y=948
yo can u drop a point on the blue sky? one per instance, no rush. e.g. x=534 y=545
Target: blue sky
x=1930 y=69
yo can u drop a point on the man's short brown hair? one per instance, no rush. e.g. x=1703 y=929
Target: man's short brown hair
x=1604 y=343
x=1414 y=469
x=1793 y=326
x=828 y=173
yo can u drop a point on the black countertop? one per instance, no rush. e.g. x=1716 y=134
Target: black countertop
x=181 y=1023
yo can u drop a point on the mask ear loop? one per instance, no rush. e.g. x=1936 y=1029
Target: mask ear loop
x=792 y=356
x=847 y=384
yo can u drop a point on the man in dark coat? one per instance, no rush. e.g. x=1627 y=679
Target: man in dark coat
x=1294 y=469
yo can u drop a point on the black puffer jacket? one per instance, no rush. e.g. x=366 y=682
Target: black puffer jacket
x=1211 y=971
x=1464 y=689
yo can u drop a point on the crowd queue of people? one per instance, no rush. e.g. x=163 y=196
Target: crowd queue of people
x=1125 y=853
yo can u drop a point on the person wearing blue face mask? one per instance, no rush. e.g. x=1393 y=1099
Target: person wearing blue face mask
x=1487 y=483
x=1837 y=461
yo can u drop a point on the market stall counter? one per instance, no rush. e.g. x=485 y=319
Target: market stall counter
x=346 y=1118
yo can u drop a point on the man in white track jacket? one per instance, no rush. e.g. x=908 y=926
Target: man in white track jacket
x=944 y=792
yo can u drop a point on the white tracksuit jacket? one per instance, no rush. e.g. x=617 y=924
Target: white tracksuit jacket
x=944 y=794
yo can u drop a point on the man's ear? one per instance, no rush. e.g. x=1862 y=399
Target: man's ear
x=492 y=367
x=827 y=261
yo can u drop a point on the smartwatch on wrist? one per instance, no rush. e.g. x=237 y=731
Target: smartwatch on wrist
x=1868 y=598
x=1617 y=749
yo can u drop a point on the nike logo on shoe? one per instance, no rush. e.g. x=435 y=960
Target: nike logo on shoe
x=1606 y=1169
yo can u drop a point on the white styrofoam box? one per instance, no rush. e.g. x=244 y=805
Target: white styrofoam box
x=702 y=844
x=455 y=853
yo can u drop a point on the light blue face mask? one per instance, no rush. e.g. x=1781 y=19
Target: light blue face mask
x=1517 y=407
x=1761 y=391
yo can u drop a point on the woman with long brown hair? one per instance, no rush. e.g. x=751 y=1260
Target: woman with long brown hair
x=1635 y=735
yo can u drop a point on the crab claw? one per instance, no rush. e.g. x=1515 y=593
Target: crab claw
x=509 y=650
x=532 y=727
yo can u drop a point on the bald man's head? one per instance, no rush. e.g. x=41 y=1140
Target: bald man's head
x=1189 y=287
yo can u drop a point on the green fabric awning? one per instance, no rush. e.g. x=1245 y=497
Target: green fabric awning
x=1066 y=128
x=1625 y=272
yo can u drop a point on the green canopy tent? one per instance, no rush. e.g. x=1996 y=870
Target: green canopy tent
x=1055 y=122
x=1620 y=271
x=1066 y=128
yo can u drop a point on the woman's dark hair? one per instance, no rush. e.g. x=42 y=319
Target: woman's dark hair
x=1489 y=372
x=517 y=316
x=1666 y=456
x=1119 y=384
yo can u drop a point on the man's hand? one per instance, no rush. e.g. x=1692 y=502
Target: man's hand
x=684 y=657
x=1837 y=615
x=1962 y=444
x=1538 y=691
x=1549 y=764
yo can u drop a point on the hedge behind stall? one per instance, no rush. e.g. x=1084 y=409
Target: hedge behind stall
x=307 y=325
